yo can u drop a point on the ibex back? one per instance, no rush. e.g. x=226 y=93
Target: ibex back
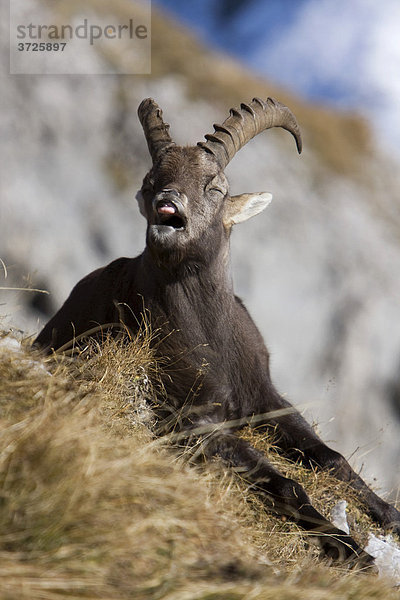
x=182 y=281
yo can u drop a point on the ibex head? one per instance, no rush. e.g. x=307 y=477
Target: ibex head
x=185 y=196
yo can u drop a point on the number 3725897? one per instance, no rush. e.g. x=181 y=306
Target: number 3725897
x=42 y=46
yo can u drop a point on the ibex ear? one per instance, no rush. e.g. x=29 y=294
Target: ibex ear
x=240 y=208
x=140 y=199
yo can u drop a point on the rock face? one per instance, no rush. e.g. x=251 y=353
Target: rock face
x=318 y=270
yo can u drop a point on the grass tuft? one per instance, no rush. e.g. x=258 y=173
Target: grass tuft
x=92 y=505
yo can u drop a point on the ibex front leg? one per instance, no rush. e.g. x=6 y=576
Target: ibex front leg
x=284 y=495
x=298 y=439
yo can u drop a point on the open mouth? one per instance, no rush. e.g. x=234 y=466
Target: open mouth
x=168 y=214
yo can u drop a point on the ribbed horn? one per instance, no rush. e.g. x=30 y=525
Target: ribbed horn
x=155 y=130
x=245 y=123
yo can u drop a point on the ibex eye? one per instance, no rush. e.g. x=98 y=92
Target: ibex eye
x=147 y=189
x=214 y=190
x=148 y=183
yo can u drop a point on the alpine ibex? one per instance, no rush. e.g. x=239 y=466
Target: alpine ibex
x=220 y=378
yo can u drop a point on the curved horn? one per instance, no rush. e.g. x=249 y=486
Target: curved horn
x=155 y=130
x=243 y=124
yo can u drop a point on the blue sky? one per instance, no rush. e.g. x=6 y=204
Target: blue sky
x=345 y=53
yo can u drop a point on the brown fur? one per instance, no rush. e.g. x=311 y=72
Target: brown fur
x=217 y=369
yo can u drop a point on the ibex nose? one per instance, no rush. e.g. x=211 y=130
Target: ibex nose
x=170 y=203
x=170 y=191
x=170 y=196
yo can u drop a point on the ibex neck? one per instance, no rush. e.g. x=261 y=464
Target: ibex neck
x=191 y=293
x=212 y=272
x=195 y=300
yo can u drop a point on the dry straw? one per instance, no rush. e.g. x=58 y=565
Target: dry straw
x=92 y=505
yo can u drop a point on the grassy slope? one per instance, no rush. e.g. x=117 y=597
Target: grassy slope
x=92 y=506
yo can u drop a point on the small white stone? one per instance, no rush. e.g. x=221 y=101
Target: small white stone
x=339 y=517
x=387 y=556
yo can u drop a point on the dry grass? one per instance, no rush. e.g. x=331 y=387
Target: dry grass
x=93 y=506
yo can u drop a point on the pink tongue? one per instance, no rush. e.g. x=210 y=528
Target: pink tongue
x=166 y=210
